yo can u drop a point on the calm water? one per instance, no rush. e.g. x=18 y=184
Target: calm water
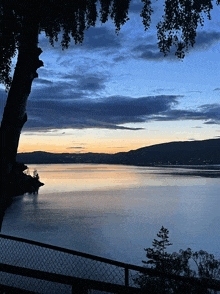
x=115 y=211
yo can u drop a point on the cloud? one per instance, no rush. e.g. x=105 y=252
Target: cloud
x=45 y=132
x=95 y=38
x=179 y=114
x=135 y=7
x=209 y=113
x=205 y=40
x=121 y=57
x=42 y=82
x=100 y=38
x=159 y=90
x=151 y=52
x=57 y=91
x=58 y=106
x=71 y=86
x=77 y=147
x=148 y=49
x=216 y=89
x=65 y=105
x=196 y=91
x=107 y=112
x=87 y=82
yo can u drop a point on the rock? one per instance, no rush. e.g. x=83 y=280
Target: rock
x=20 y=183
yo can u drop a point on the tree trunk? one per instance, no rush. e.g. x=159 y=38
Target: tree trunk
x=15 y=116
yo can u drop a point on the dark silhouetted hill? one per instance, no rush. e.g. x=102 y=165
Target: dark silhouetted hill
x=173 y=153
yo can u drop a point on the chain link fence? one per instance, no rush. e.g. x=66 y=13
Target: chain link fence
x=32 y=267
x=65 y=264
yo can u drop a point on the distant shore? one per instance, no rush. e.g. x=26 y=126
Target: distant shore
x=179 y=154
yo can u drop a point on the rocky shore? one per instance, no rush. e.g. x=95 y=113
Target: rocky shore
x=20 y=182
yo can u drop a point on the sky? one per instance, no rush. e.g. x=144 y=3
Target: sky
x=118 y=93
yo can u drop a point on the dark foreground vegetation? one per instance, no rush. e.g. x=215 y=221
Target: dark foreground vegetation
x=20 y=182
x=49 y=269
x=205 y=267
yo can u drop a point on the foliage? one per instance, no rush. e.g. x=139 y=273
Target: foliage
x=180 y=22
x=208 y=266
x=177 y=264
x=71 y=18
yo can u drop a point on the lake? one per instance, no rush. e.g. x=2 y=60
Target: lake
x=115 y=211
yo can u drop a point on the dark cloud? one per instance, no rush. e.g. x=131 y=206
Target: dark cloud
x=65 y=105
x=91 y=84
x=149 y=49
x=210 y=113
x=87 y=82
x=121 y=57
x=146 y=47
x=46 y=73
x=111 y=112
x=58 y=91
x=45 y=132
x=205 y=40
x=57 y=106
x=100 y=38
x=42 y=82
x=151 y=52
x=74 y=86
x=135 y=7
x=77 y=147
x=216 y=89
x=178 y=114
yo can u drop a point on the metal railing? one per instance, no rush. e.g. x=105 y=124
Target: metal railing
x=33 y=267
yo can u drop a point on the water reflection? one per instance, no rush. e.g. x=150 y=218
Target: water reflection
x=70 y=177
x=115 y=211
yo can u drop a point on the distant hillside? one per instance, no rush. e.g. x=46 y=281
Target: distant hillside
x=173 y=153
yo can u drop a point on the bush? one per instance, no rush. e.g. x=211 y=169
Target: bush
x=177 y=264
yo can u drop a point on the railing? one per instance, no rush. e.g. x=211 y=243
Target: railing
x=34 y=267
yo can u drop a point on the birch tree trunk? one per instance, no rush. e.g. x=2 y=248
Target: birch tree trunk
x=15 y=115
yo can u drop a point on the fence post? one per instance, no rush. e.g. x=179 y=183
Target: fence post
x=126 y=277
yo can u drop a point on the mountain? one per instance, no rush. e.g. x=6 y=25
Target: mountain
x=173 y=153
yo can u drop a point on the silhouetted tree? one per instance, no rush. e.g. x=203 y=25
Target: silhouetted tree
x=207 y=267
x=22 y=21
x=167 y=263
